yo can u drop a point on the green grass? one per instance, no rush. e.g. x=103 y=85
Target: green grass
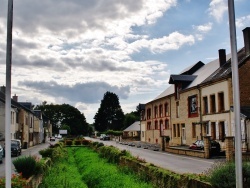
x=63 y=174
x=84 y=168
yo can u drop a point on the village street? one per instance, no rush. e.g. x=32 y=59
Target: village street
x=173 y=162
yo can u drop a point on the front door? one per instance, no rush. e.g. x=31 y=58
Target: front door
x=183 y=134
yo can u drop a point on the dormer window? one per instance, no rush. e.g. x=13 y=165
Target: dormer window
x=177 y=90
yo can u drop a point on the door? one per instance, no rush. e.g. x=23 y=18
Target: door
x=183 y=135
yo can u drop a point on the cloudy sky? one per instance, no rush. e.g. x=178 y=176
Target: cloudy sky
x=74 y=51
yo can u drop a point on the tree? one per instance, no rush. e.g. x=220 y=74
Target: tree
x=130 y=118
x=109 y=115
x=65 y=114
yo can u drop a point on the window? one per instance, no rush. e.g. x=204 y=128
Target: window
x=212 y=104
x=149 y=113
x=31 y=122
x=205 y=105
x=193 y=130
x=156 y=125
x=178 y=130
x=213 y=130
x=161 y=110
x=148 y=125
x=166 y=124
x=177 y=91
x=156 y=111
x=177 y=109
x=221 y=106
x=192 y=105
x=26 y=120
x=222 y=131
x=166 y=109
x=174 y=130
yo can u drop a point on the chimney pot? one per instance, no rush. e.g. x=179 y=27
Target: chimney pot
x=246 y=35
x=222 y=57
x=15 y=98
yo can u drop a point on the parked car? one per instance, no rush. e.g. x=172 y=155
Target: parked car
x=59 y=136
x=17 y=141
x=107 y=137
x=15 y=149
x=52 y=138
x=198 y=145
x=102 y=136
x=1 y=154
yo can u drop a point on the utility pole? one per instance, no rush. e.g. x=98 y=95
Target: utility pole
x=236 y=95
x=7 y=95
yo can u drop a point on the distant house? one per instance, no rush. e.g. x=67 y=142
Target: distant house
x=133 y=131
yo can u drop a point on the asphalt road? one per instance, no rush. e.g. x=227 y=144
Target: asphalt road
x=176 y=163
x=32 y=151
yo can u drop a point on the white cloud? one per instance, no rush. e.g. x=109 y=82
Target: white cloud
x=243 y=21
x=201 y=30
x=217 y=8
x=173 y=41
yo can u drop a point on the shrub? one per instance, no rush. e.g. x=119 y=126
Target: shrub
x=68 y=142
x=26 y=166
x=78 y=142
x=100 y=144
x=46 y=152
x=222 y=175
x=86 y=142
x=17 y=181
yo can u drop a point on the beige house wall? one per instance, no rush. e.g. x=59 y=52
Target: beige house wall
x=143 y=131
x=184 y=120
x=153 y=135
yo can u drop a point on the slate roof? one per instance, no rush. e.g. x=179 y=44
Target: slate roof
x=181 y=78
x=226 y=70
x=199 y=71
x=134 y=127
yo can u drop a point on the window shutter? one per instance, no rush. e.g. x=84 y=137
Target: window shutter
x=209 y=128
x=233 y=128
x=242 y=122
x=226 y=128
x=217 y=130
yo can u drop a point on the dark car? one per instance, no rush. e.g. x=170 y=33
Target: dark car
x=107 y=137
x=15 y=149
x=198 y=145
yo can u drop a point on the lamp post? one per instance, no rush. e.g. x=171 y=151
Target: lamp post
x=236 y=95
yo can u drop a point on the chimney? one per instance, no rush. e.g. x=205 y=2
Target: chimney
x=15 y=98
x=246 y=35
x=222 y=57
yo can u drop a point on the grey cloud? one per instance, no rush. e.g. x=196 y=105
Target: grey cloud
x=22 y=44
x=38 y=62
x=91 y=92
x=78 y=14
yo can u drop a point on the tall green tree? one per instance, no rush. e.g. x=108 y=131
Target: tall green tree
x=109 y=115
x=130 y=118
x=65 y=114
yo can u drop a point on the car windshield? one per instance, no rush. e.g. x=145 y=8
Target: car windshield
x=13 y=144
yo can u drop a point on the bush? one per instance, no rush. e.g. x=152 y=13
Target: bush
x=68 y=142
x=222 y=175
x=100 y=144
x=25 y=165
x=78 y=142
x=86 y=142
x=46 y=152
x=17 y=181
